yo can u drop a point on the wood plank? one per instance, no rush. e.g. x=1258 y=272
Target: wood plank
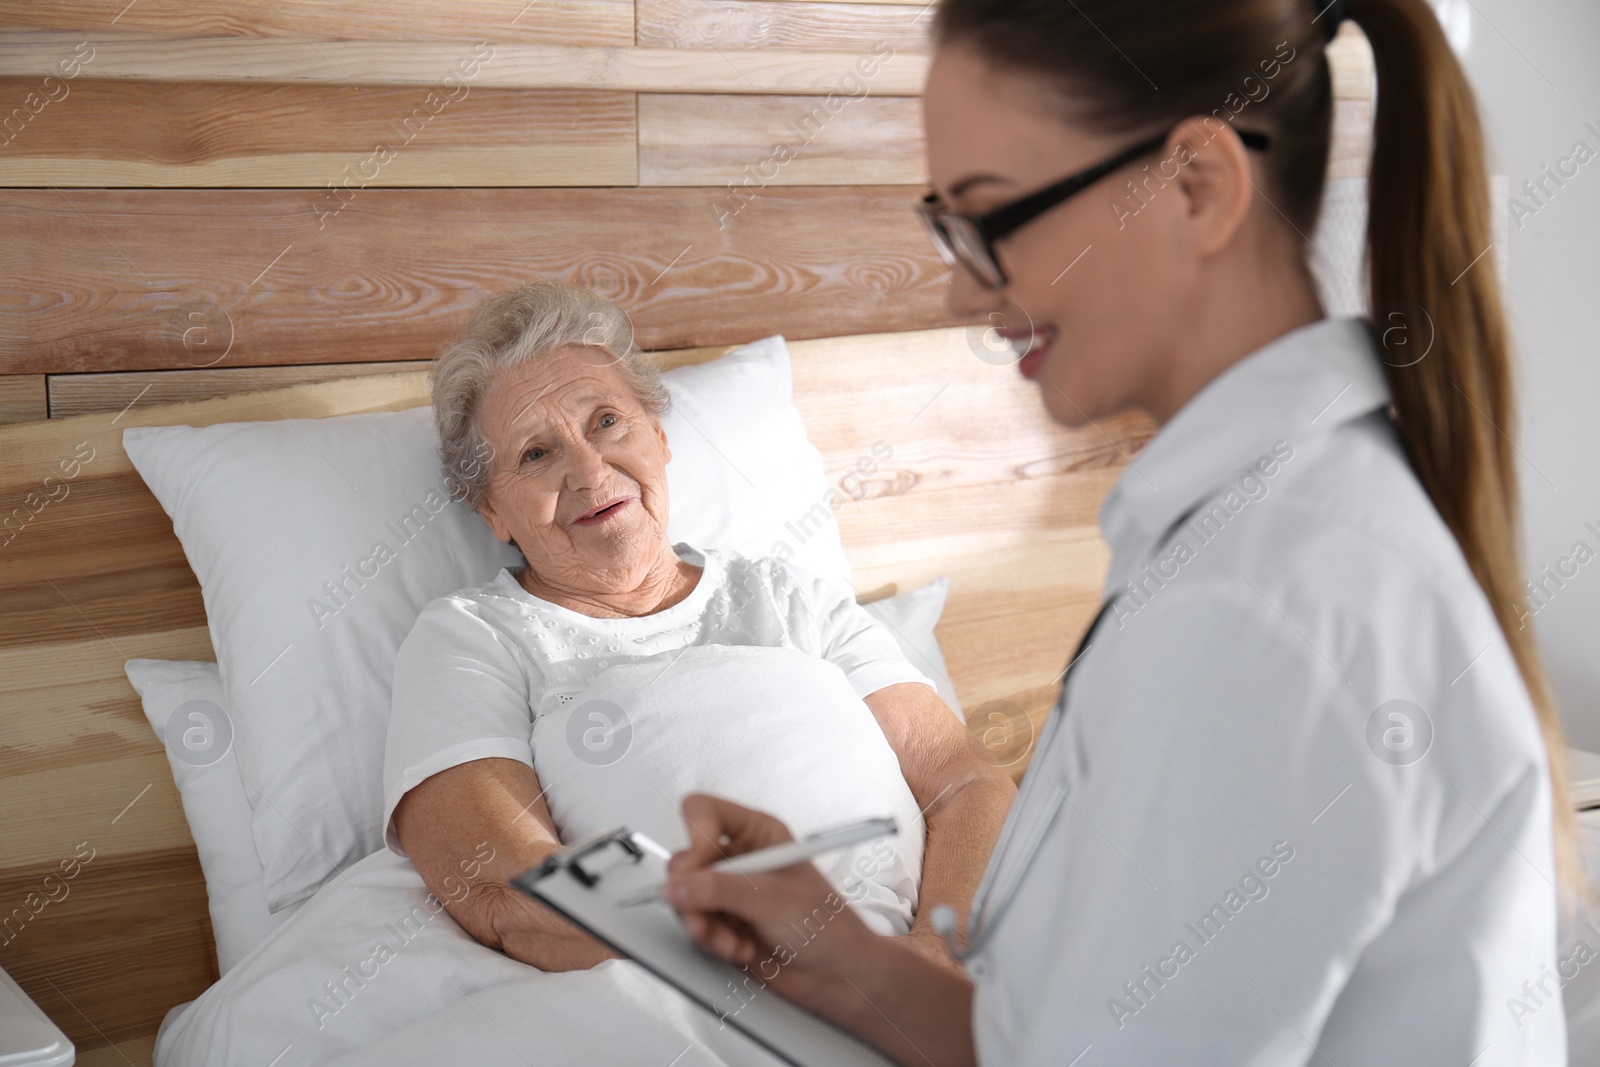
x=964 y=518
x=110 y=280
x=23 y=397
x=36 y=54
x=1046 y=587
x=130 y=938
x=81 y=394
x=85 y=799
x=135 y=1051
x=33 y=450
x=114 y=133
x=641 y=68
x=135 y=581
x=754 y=141
x=956 y=418
x=97 y=719
x=576 y=22
x=1351 y=64
x=800 y=24
x=1350 y=153
x=170 y=134
x=422 y=168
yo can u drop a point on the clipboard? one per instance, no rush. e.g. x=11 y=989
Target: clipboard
x=584 y=881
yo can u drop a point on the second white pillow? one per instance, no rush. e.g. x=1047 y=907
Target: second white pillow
x=183 y=700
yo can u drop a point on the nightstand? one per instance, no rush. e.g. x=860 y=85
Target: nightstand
x=27 y=1036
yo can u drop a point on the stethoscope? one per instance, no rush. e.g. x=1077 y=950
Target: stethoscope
x=981 y=929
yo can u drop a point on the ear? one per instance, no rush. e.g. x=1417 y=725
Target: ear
x=1215 y=180
x=497 y=524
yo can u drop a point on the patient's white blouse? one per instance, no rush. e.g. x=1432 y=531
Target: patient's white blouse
x=1297 y=810
x=483 y=665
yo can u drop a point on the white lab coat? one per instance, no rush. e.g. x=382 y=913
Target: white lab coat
x=1298 y=810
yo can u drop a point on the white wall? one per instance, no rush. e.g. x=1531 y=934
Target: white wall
x=1534 y=65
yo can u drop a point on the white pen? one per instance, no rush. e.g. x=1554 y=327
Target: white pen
x=786 y=854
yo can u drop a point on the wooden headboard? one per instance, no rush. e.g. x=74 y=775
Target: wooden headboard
x=220 y=211
x=980 y=487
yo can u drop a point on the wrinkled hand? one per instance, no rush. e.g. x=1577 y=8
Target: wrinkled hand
x=788 y=926
x=532 y=933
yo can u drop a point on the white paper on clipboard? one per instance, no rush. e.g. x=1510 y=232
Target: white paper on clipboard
x=584 y=882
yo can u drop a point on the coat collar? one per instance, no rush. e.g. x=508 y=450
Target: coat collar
x=1300 y=386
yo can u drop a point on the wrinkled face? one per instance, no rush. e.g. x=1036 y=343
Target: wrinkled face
x=1100 y=294
x=579 y=476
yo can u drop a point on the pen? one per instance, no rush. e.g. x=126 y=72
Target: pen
x=786 y=854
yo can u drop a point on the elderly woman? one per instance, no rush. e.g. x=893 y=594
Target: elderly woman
x=508 y=696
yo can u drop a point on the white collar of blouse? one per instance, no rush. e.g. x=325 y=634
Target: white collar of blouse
x=1301 y=386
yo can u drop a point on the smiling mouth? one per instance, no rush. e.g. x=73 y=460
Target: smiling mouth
x=604 y=512
x=1030 y=346
x=1030 y=340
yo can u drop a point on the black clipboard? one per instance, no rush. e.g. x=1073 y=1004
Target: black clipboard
x=584 y=881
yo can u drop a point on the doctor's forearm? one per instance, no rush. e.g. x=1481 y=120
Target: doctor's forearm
x=916 y=1011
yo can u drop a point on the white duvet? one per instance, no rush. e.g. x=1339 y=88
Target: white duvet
x=372 y=970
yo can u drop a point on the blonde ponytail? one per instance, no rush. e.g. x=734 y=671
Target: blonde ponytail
x=1428 y=246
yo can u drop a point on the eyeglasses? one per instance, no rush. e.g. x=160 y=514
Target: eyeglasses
x=969 y=239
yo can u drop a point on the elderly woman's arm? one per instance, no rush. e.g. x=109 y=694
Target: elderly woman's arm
x=443 y=821
x=964 y=795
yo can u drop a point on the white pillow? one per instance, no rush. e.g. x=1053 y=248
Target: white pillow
x=186 y=696
x=775 y=729
x=318 y=541
x=911 y=617
x=744 y=476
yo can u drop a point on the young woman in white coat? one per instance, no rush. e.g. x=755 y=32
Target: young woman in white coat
x=1298 y=802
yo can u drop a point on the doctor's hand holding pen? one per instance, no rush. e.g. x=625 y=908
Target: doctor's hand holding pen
x=791 y=930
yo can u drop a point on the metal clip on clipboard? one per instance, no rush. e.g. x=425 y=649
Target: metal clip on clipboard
x=571 y=858
x=585 y=882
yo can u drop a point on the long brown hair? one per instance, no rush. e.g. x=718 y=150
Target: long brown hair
x=1121 y=65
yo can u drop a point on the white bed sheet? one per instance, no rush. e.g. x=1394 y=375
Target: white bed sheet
x=321 y=990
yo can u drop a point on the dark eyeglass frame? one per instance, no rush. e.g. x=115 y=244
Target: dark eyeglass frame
x=969 y=239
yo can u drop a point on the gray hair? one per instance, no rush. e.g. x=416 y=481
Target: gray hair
x=508 y=330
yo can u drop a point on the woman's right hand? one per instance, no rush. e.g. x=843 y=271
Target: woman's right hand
x=789 y=926
x=531 y=933
x=800 y=937
x=468 y=830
